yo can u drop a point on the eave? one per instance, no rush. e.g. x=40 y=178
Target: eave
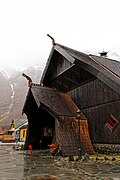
x=58 y=104
x=83 y=63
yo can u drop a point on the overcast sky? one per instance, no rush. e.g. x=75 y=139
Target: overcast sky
x=84 y=25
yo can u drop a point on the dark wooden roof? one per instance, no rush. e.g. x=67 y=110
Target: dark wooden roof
x=59 y=105
x=111 y=65
x=24 y=126
x=82 y=68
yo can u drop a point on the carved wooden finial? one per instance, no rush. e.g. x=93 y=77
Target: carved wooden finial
x=53 y=40
x=28 y=78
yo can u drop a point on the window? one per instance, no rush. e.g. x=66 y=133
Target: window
x=47 y=131
x=23 y=133
x=112 y=123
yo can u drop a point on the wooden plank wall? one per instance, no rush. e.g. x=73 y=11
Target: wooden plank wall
x=98 y=101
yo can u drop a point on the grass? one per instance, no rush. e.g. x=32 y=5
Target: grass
x=97 y=157
x=103 y=156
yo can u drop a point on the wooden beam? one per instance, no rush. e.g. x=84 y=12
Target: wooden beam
x=69 y=79
x=64 y=53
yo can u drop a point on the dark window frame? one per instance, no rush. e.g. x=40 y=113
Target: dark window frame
x=112 y=123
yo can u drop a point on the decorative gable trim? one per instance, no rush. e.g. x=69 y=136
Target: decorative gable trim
x=64 y=53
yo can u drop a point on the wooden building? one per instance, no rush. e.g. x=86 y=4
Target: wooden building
x=93 y=83
x=52 y=118
x=21 y=131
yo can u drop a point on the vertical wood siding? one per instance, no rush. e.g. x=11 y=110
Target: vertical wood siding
x=97 y=101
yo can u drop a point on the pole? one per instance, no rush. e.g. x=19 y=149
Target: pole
x=79 y=142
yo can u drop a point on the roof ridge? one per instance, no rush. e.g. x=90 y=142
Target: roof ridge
x=105 y=67
x=62 y=46
x=35 y=84
x=109 y=59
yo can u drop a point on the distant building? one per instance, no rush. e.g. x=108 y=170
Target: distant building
x=12 y=127
x=1 y=133
x=21 y=131
x=8 y=136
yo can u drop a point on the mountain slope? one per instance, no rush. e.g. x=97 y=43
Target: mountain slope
x=13 y=91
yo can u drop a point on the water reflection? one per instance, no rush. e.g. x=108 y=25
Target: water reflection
x=11 y=164
x=38 y=162
x=24 y=165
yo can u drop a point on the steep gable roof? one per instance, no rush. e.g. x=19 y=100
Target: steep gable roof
x=111 y=65
x=25 y=124
x=107 y=70
x=60 y=105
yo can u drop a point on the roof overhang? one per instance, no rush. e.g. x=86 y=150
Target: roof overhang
x=59 y=105
x=83 y=69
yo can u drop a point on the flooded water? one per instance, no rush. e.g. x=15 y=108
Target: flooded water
x=40 y=165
